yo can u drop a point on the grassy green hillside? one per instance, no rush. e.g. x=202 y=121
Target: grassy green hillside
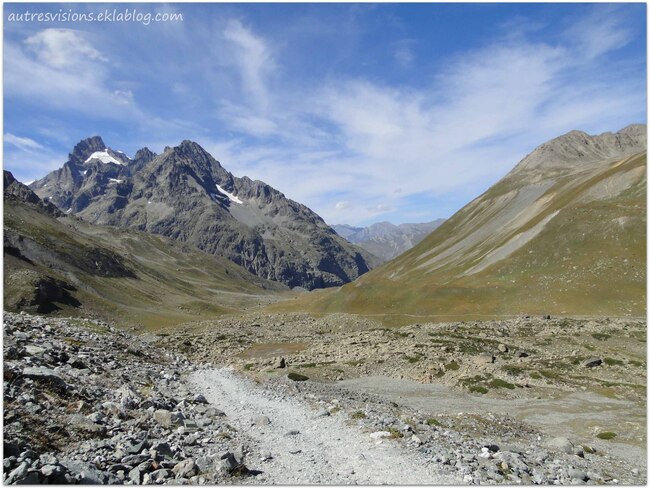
x=131 y=277
x=569 y=241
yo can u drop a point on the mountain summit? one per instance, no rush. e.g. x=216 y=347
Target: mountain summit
x=184 y=193
x=563 y=233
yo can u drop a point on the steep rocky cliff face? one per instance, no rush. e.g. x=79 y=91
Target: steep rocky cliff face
x=184 y=193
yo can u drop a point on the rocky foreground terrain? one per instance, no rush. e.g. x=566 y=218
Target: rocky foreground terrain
x=85 y=402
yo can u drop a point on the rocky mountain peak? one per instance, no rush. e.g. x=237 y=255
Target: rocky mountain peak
x=578 y=147
x=85 y=148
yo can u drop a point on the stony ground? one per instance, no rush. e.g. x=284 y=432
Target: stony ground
x=85 y=402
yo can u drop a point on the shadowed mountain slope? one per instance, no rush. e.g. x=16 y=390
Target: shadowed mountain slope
x=54 y=262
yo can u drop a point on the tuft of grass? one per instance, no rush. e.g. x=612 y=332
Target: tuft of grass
x=414 y=359
x=249 y=366
x=500 y=383
x=296 y=377
x=549 y=374
x=606 y=435
x=358 y=415
x=433 y=422
x=612 y=361
x=452 y=365
x=479 y=389
x=600 y=336
x=395 y=433
x=535 y=375
x=513 y=370
x=588 y=449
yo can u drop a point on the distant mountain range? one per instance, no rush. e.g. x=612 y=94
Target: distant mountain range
x=563 y=233
x=185 y=194
x=386 y=240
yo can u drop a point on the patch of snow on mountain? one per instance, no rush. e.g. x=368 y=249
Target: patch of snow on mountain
x=232 y=197
x=104 y=157
x=115 y=180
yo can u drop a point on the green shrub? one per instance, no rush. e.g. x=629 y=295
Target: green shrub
x=612 y=361
x=499 y=383
x=433 y=422
x=452 y=366
x=479 y=388
x=358 y=415
x=600 y=336
x=296 y=377
x=606 y=435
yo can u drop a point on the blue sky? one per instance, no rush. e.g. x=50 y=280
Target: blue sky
x=363 y=112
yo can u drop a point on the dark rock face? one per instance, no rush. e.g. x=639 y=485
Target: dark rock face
x=14 y=190
x=185 y=194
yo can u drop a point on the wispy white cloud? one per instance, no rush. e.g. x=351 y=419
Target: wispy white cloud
x=40 y=72
x=479 y=116
x=62 y=48
x=22 y=143
x=254 y=58
x=602 y=31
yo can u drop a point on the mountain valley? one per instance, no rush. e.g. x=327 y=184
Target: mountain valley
x=163 y=326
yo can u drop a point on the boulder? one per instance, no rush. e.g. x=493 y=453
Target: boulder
x=185 y=469
x=592 y=362
x=562 y=444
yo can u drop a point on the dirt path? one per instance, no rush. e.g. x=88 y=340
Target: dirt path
x=325 y=450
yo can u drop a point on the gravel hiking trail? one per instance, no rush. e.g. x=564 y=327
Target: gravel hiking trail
x=308 y=448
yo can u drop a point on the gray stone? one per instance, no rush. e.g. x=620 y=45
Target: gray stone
x=135 y=475
x=503 y=348
x=262 y=421
x=167 y=418
x=185 y=469
x=199 y=399
x=321 y=413
x=484 y=359
x=44 y=374
x=48 y=459
x=162 y=448
x=160 y=475
x=561 y=443
x=577 y=474
x=592 y=362
x=82 y=423
x=30 y=478
x=228 y=462
x=34 y=350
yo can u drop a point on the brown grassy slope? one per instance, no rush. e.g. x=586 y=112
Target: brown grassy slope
x=130 y=277
x=587 y=255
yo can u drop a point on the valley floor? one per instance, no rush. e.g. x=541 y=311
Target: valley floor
x=228 y=402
